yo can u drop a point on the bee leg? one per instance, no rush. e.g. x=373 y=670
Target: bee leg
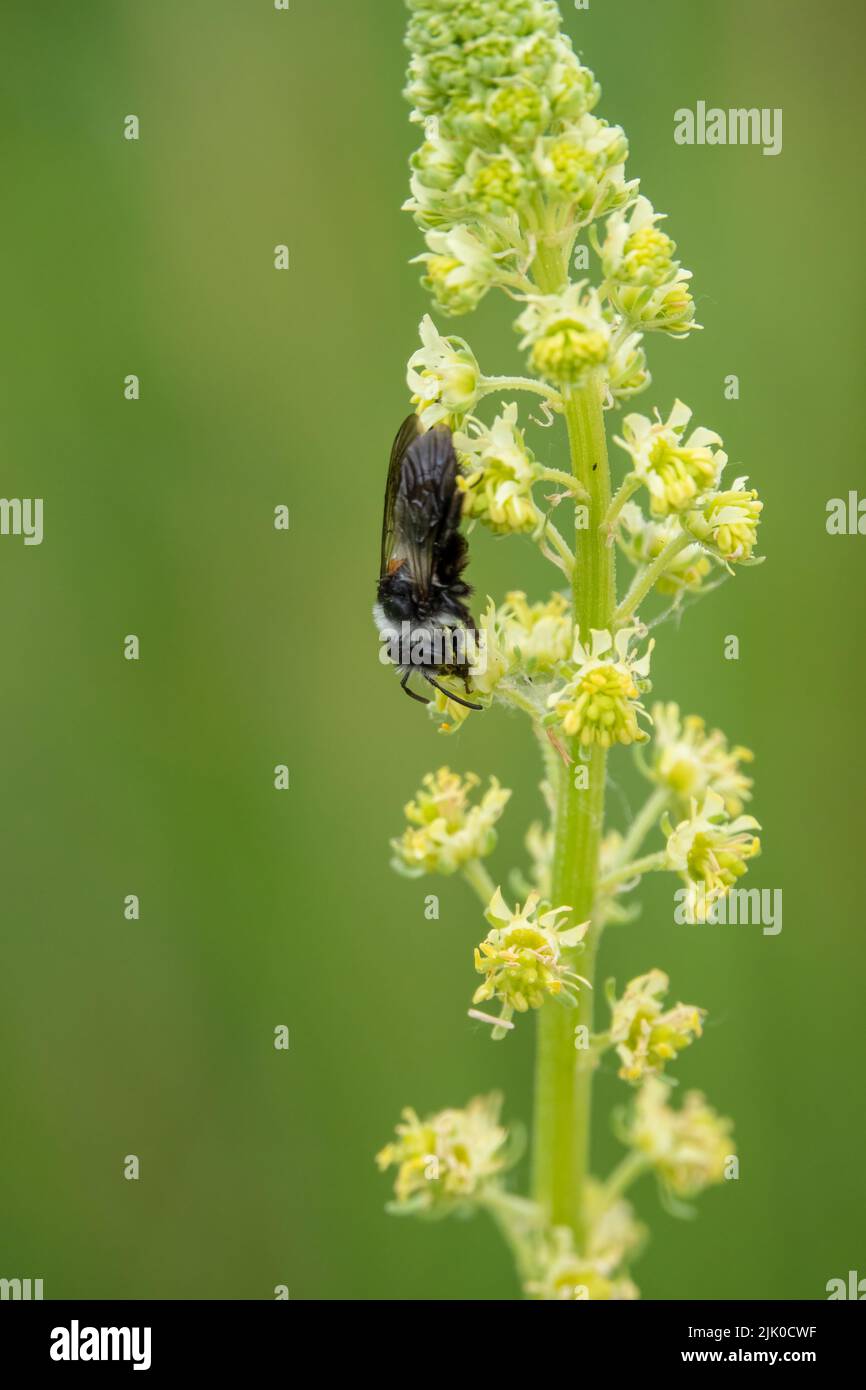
x=449 y=694
x=411 y=693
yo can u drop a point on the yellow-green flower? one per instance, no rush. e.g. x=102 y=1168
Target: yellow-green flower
x=459 y=270
x=537 y=636
x=443 y=376
x=601 y=702
x=573 y=88
x=635 y=250
x=567 y=333
x=445 y=830
x=566 y=1276
x=446 y=1161
x=689 y=1148
x=583 y=166
x=498 y=474
x=669 y=309
x=675 y=470
x=709 y=850
x=691 y=761
x=646 y=1034
x=521 y=958
x=642 y=541
x=727 y=523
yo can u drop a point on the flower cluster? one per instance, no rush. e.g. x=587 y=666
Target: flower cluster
x=567 y=333
x=498 y=472
x=726 y=524
x=445 y=832
x=690 y=761
x=446 y=1161
x=535 y=636
x=600 y=703
x=676 y=470
x=521 y=958
x=689 y=1148
x=692 y=519
x=646 y=1034
x=646 y=285
x=565 y=1275
x=569 y=1277
x=710 y=851
x=443 y=377
x=520 y=641
x=506 y=109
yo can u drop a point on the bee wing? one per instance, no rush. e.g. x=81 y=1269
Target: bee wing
x=427 y=504
x=406 y=435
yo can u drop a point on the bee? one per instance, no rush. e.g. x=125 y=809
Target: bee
x=420 y=608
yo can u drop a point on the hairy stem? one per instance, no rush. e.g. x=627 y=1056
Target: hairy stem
x=626 y=490
x=646 y=578
x=563 y=1079
x=566 y=480
x=519 y=383
x=560 y=545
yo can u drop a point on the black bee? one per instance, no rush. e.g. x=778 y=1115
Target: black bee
x=420 y=610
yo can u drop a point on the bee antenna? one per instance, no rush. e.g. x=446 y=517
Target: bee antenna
x=449 y=694
x=411 y=693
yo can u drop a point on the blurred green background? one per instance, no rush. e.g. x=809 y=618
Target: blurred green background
x=262 y=908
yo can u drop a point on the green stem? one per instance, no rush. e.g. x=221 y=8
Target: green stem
x=635 y=869
x=566 y=480
x=622 y=1177
x=646 y=578
x=646 y=819
x=519 y=383
x=626 y=489
x=560 y=545
x=510 y=692
x=563 y=1084
x=478 y=878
